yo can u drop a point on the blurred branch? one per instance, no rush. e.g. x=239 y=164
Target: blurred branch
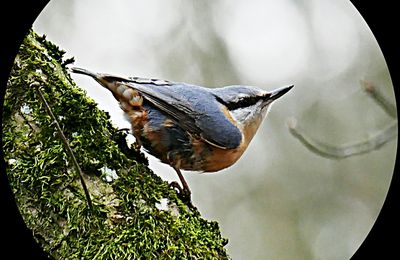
x=379 y=98
x=344 y=151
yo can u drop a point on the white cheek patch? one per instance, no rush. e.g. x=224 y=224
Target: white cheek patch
x=241 y=114
x=246 y=115
x=267 y=109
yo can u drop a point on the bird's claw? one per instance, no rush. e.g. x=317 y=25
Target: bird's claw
x=125 y=130
x=184 y=194
x=175 y=186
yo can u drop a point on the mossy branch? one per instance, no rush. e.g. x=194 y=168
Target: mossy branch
x=134 y=215
x=347 y=150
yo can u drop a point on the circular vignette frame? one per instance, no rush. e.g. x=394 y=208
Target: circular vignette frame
x=17 y=238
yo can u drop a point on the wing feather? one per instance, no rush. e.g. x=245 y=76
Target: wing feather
x=196 y=110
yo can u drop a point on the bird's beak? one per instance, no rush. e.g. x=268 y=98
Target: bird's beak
x=277 y=93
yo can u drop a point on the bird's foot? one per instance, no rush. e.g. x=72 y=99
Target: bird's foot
x=184 y=194
x=137 y=146
x=126 y=130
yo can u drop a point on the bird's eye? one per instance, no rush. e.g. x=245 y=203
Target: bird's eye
x=241 y=102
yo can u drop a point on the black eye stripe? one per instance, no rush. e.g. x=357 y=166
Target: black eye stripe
x=241 y=103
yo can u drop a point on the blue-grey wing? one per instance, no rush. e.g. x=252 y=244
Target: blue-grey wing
x=196 y=109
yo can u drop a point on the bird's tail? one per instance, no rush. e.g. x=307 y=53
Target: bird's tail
x=84 y=72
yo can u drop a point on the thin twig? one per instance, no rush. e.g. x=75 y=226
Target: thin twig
x=27 y=121
x=66 y=144
x=379 y=98
x=343 y=151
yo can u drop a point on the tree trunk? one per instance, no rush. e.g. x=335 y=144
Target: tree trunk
x=128 y=213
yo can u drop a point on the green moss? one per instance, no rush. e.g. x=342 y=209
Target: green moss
x=125 y=222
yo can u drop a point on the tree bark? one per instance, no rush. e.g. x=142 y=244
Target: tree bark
x=134 y=214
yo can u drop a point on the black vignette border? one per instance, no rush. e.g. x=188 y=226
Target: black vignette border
x=17 y=239
x=382 y=240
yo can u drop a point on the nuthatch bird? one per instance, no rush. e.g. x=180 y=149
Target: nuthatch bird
x=190 y=127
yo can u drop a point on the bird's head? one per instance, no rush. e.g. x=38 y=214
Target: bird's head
x=248 y=105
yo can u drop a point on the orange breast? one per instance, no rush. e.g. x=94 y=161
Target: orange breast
x=221 y=159
x=211 y=158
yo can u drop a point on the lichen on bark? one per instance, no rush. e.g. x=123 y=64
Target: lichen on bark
x=125 y=221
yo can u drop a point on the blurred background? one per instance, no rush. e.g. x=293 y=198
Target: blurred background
x=280 y=200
